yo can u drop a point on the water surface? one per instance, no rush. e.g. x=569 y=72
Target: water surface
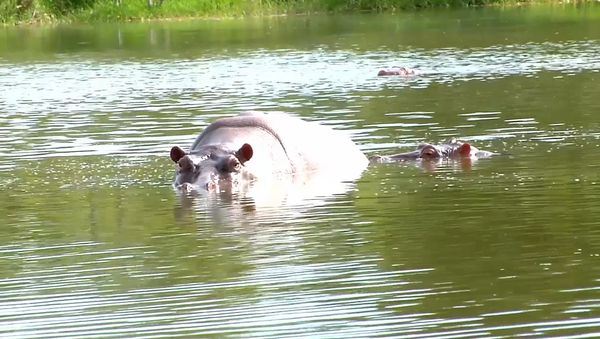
x=95 y=243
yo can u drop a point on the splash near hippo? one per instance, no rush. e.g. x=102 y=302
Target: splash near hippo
x=257 y=146
x=403 y=71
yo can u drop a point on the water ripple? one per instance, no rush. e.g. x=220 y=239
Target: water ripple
x=260 y=78
x=331 y=269
x=83 y=116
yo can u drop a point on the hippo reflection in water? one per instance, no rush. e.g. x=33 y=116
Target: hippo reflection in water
x=454 y=150
x=396 y=71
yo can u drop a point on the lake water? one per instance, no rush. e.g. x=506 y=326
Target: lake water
x=95 y=243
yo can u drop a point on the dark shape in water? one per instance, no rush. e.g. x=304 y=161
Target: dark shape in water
x=397 y=71
x=454 y=150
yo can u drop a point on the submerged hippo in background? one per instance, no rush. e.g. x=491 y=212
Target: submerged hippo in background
x=396 y=71
x=453 y=150
x=256 y=146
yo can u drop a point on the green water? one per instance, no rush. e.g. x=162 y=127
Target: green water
x=95 y=243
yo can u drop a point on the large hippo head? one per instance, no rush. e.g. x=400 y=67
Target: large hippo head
x=211 y=167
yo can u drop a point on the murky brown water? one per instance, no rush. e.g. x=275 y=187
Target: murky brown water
x=95 y=243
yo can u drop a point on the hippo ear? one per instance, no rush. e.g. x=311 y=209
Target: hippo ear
x=245 y=153
x=465 y=150
x=177 y=153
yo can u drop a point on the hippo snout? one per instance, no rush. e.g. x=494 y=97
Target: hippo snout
x=214 y=184
x=185 y=187
x=209 y=184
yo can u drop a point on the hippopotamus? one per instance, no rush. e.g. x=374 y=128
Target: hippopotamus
x=254 y=146
x=397 y=71
x=453 y=150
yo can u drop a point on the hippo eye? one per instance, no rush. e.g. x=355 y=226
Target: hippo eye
x=235 y=165
x=429 y=153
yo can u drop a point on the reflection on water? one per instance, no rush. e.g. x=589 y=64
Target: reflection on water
x=270 y=79
x=107 y=108
x=96 y=243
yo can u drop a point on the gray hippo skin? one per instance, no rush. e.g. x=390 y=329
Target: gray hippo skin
x=453 y=150
x=254 y=146
x=397 y=71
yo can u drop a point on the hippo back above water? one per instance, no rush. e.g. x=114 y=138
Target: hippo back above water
x=253 y=145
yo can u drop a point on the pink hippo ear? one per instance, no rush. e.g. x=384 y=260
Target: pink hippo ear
x=465 y=150
x=177 y=153
x=245 y=153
